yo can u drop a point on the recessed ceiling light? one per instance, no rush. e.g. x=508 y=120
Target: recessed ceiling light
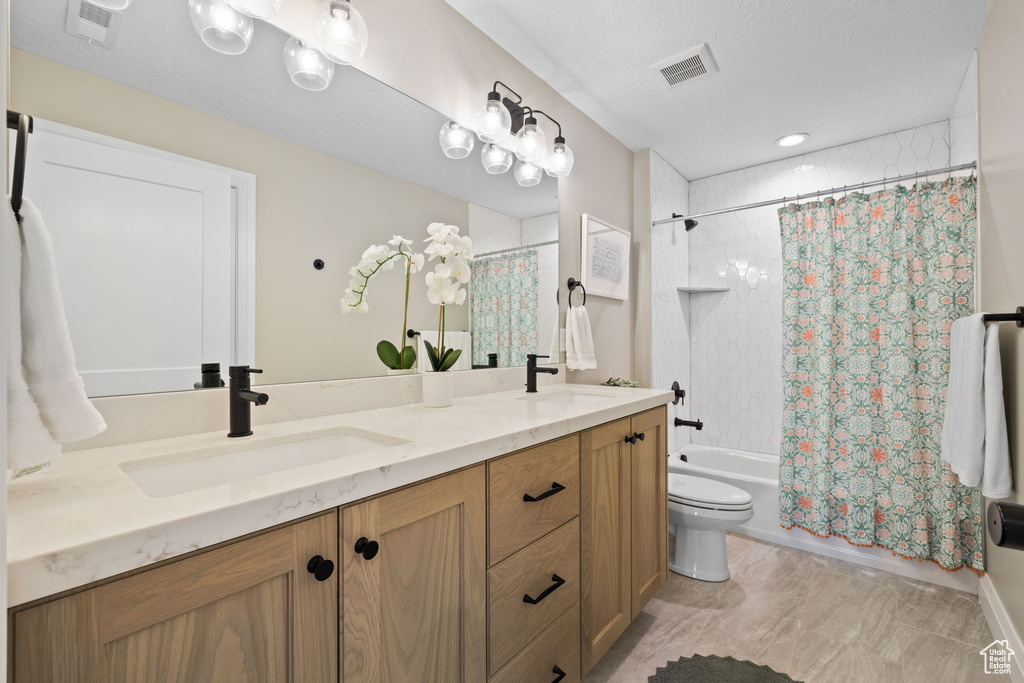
x=804 y=168
x=791 y=139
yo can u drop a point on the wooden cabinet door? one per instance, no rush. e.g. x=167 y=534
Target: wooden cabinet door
x=649 y=506
x=247 y=612
x=417 y=609
x=605 y=588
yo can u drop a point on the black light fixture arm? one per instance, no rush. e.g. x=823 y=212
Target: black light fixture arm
x=494 y=91
x=548 y=117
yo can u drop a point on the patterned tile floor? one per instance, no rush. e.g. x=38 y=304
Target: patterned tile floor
x=817 y=619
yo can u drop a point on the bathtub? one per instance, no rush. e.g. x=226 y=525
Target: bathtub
x=758 y=475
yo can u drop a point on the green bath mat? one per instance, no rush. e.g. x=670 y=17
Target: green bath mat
x=715 y=669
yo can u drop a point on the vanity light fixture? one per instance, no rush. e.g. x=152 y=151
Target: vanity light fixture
x=531 y=142
x=527 y=173
x=221 y=27
x=341 y=31
x=258 y=9
x=307 y=66
x=495 y=120
x=456 y=140
x=558 y=160
x=792 y=139
x=496 y=159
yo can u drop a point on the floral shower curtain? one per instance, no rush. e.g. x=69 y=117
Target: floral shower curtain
x=503 y=315
x=872 y=284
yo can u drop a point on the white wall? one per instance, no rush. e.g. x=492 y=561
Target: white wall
x=492 y=231
x=963 y=120
x=670 y=308
x=736 y=337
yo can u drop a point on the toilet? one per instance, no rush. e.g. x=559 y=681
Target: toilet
x=699 y=512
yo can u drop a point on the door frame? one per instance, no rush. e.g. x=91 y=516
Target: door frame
x=243 y=210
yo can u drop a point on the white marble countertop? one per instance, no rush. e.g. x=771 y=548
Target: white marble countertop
x=83 y=519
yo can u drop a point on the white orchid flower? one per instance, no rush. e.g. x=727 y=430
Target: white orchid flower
x=460 y=296
x=399 y=241
x=459 y=268
x=416 y=263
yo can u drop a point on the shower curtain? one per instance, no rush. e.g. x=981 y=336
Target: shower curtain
x=503 y=313
x=872 y=284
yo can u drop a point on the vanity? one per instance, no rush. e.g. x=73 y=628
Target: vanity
x=510 y=538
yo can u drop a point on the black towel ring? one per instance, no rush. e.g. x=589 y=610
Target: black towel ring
x=573 y=284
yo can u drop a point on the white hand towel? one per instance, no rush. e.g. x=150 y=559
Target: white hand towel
x=974 y=431
x=555 y=347
x=28 y=441
x=47 y=354
x=579 y=340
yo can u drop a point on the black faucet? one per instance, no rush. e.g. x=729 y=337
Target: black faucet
x=492 y=362
x=241 y=400
x=532 y=370
x=696 y=424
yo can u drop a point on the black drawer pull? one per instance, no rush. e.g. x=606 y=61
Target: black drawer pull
x=555 y=488
x=636 y=437
x=547 y=591
x=556 y=670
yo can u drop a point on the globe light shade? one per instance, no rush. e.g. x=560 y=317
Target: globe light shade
x=220 y=26
x=456 y=140
x=527 y=174
x=116 y=5
x=496 y=159
x=307 y=66
x=341 y=31
x=531 y=143
x=558 y=161
x=493 y=121
x=257 y=9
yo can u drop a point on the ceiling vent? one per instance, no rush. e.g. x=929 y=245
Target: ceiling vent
x=695 y=63
x=96 y=24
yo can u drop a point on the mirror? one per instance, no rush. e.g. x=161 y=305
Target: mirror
x=204 y=209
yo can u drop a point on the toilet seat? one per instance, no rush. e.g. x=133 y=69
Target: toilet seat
x=710 y=494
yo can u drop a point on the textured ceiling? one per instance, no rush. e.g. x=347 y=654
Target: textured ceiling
x=356 y=118
x=836 y=69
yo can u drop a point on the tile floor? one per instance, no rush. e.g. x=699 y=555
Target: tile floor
x=817 y=619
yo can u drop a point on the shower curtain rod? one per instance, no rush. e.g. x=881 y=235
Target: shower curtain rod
x=834 y=190
x=511 y=249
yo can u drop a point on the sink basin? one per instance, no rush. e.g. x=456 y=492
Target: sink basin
x=568 y=398
x=191 y=470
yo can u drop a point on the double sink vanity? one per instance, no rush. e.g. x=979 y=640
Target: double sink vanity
x=509 y=538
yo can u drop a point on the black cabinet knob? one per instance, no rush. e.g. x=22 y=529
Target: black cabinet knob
x=367 y=548
x=636 y=437
x=320 y=568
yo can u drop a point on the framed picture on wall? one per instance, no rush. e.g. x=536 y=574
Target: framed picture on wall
x=604 y=259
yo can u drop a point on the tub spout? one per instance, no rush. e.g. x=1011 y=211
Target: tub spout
x=696 y=424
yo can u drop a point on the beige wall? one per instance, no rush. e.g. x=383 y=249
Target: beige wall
x=1001 y=83
x=429 y=51
x=308 y=205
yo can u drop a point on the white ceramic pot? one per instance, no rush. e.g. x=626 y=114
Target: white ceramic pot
x=409 y=371
x=437 y=389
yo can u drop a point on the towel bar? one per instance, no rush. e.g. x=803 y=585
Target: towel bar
x=1017 y=317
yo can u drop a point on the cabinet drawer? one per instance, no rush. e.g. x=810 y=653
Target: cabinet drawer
x=516 y=522
x=556 y=649
x=514 y=621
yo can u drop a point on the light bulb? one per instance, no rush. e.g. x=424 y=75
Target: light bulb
x=527 y=174
x=558 y=160
x=258 y=9
x=495 y=158
x=531 y=143
x=220 y=26
x=493 y=121
x=341 y=31
x=791 y=139
x=307 y=66
x=456 y=141
x=116 y=5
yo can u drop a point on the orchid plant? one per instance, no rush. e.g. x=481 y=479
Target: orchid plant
x=445 y=284
x=375 y=259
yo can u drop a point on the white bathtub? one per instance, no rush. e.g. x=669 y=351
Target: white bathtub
x=758 y=475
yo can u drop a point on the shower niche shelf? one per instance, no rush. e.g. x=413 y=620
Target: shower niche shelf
x=703 y=290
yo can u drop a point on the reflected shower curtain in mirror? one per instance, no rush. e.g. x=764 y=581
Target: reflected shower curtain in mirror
x=503 y=314
x=872 y=284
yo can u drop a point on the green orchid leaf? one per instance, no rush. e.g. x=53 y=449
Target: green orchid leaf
x=408 y=357
x=388 y=355
x=431 y=355
x=451 y=359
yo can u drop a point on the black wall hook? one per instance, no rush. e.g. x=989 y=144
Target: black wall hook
x=318 y=264
x=573 y=284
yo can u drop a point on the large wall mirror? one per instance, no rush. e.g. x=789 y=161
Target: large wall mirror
x=189 y=194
